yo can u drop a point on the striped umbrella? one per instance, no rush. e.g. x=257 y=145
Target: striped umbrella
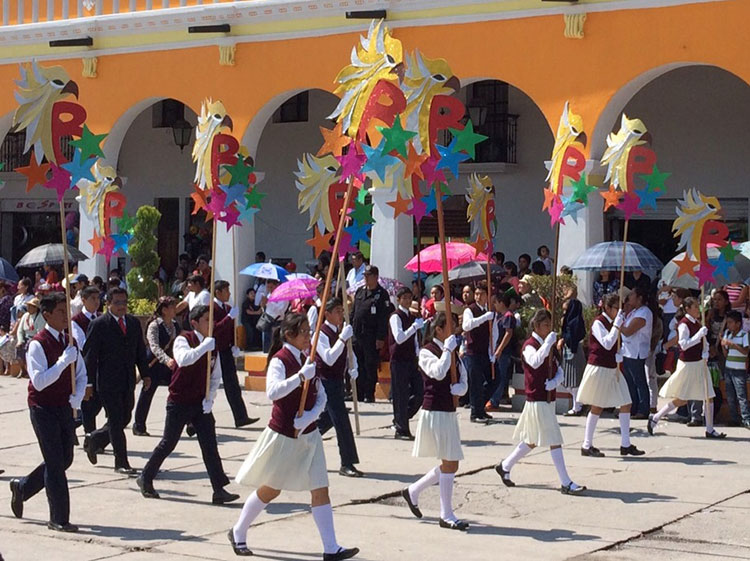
x=50 y=254
x=607 y=256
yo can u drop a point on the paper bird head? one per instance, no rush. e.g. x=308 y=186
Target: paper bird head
x=569 y=131
x=92 y=195
x=315 y=176
x=632 y=133
x=212 y=119
x=481 y=209
x=695 y=210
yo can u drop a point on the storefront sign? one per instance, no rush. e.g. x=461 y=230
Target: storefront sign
x=36 y=205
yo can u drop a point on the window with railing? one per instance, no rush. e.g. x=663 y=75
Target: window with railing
x=487 y=106
x=12 y=150
x=293 y=110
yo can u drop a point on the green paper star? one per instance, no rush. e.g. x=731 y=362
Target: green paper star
x=655 y=180
x=89 y=144
x=581 y=190
x=362 y=213
x=239 y=172
x=396 y=137
x=444 y=189
x=728 y=253
x=254 y=197
x=361 y=195
x=467 y=139
x=125 y=223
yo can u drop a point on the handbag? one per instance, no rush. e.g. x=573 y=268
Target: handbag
x=265 y=322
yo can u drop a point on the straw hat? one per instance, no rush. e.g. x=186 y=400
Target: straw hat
x=33 y=302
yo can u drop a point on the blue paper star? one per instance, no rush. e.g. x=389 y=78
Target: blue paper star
x=648 y=197
x=79 y=169
x=571 y=208
x=450 y=159
x=121 y=241
x=376 y=161
x=430 y=202
x=722 y=267
x=234 y=192
x=358 y=232
x=247 y=213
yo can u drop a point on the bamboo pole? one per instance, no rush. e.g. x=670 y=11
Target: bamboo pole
x=553 y=305
x=349 y=351
x=211 y=306
x=66 y=273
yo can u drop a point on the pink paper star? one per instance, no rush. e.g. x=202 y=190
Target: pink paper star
x=60 y=181
x=630 y=205
x=351 y=162
x=108 y=247
x=418 y=209
x=218 y=201
x=345 y=245
x=229 y=216
x=555 y=212
x=431 y=174
x=705 y=273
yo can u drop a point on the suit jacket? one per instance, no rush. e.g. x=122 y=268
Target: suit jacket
x=111 y=356
x=223 y=328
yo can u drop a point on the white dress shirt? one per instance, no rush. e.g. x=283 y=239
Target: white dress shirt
x=202 y=298
x=276 y=309
x=185 y=355
x=312 y=315
x=279 y=386
x=397 y=329
x=355 y=275
x=438 y=367
x=685 y=340
x=536 y=357
x=79 y=334
x=638 y=345
x=260 y=292
x=470 y=322
x=42 y=375
x=329 y=354
x=607 y=339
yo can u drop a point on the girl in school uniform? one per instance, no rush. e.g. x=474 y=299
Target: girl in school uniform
x=537 y=425
x=289 y=454
x=437 y=430
x=603 y=385
x=691 y=379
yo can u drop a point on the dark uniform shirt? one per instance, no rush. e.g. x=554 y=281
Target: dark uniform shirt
x=370 y=313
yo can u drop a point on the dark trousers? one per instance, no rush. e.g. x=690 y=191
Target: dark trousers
x=368 y=360
x=179 y=415
x=55 y=431
x=502 y=368
x=480 y=379
x=634 y=370
x=336 y=416
x=735 y=381
x=89 y=410
x=119 y=409
x=408 y=389
x=161 y=375
x=232 y=385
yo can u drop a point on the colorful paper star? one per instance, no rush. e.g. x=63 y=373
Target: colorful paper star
x=89 y=143
x=233 y=192
x=655 y=180
x=430 y=201
x=239 y=172
x=362 y=213
x=254 y=197
x=200 y=198
x=361 y=196
x=647 y=198
x=611 y=198
x=333 y=141
x=320 y=242
x=59 y=182
x=705 y=273
x=36 y=174
x=571 y=208
x=630 y=205
x=413 y=163
x=378 y=160
x=555 y=213
x=418 y=209
x=728 y=252
x=345 y=245
x=96 y=242
x=430 y=172
x=108 y=248
x=581 y=190
x=125 y=223
x=79 y=168
x=466 y=139
x=121 y=242
x=358 y=232
x=400 y=205
x=686 y=266
x=351 y=162
x=395 y=138
x=549 y=198
x=247 y=213
x=229 y=216
x=449 y=158
x=721 y=267
x=480 y=245
x=218 y=201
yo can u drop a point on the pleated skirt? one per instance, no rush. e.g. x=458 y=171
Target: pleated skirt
x=438 y=436
x=538 y=425
x=573 y=365
x=689 y=381
x=603 y=387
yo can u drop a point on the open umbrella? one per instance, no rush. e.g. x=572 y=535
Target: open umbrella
x=50 y=254
x=265 y=271
x=302 y=276
x=7 y=272
x=737 y=272
x=391 y=286
x=472 y=270
x=607 y=256
x=294 y=289
x=457 y=253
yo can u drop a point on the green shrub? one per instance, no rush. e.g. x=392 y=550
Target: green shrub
x=141 y=306
x=143 y=253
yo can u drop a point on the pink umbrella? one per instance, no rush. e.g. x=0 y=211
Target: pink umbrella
x=458 y=253
x=294 y=289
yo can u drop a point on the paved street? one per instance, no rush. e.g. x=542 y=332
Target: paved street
x=686 y=499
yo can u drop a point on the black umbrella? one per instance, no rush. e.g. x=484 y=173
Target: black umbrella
x=473 y=270
x=50 y=254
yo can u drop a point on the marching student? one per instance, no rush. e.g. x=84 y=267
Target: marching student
x=406 y=383
x=52 y=400
x=437 y=431
x=91 y=298
x=603 y=385
x=477 y=334
x=314 y=310
x=289 y=454
x=188 y=403
x=331 y=366
x=537 y=425
x=691 y=379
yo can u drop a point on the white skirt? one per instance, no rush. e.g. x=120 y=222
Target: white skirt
x=283 y=463
x=538 y=425
x=603 y=387
x=438 y=436
x=689 y=381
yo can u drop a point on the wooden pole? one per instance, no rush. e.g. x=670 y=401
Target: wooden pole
x=211 y=306
x=703 y=323
x=349 y=351
x=237 y=295
x=622 y=263
x=420 y=284
x=66 y=272
x=553 y=305
x=489 y=299
x=326 y=293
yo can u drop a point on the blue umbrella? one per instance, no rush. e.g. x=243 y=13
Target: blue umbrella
x=7 y=272
x=265 y=271
x=607 y=256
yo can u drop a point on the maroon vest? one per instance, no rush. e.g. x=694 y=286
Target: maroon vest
x=82 y=320
x=534 y=378
x=694 y=353
x=188 y=384
x=338 y=369
x=598 y=355
x=285 y=409
x=437 y=394
x=478 y=339
x=58 y=393
x=405 y=352
x=223 y=328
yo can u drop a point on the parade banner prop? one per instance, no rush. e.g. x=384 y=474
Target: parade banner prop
x=481 y=215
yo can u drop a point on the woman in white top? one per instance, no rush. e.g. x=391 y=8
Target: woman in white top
x=636 y=346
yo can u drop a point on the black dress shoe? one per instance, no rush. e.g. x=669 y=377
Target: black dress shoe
x=715 y=435
x=486 y=416
x=631 y=451
x=190 y=429
x=639 y=417
x=67 y=527
x=147 y=489
x=16 y=498
x=570 y=490
x=342 y=553
x=239 y=548
x=650 y=424
x=350 y=471
x=403 y=436
x=695 y=423
x=246 y=421
x=126 y=470
x=223 y=496
x=412 y=507
x=479 y=420
x=504 y=475
x=592 y=452
x=90 y=450
x=140 y=432
x=454 y=525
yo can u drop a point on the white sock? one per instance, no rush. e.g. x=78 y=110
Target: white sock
x=446 y=496
x=559 y=461
x=668 y=408
x=708 y=409
x=252 y=508
x=577 y=405
x=520 y=451
x=624 y=429
x=323 y=516
x=588 y=438
x=428 y=480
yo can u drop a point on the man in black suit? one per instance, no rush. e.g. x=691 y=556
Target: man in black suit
x=114 y=347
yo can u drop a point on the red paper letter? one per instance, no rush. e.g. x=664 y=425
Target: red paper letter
x=114 y=205
x=386 y=101
x=641 y=160
x=72 y=126
x=223 y=151
x=446 y=112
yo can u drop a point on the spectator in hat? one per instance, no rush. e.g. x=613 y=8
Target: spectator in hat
x=528 y=295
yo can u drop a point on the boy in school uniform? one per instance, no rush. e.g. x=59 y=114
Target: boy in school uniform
x=477 y=333
x=735 y=345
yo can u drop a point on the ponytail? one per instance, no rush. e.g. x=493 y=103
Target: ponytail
x=290 y=326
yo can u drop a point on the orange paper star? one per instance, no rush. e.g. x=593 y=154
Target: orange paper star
x=96 y=242
x=480 y=245
x=400 y=205
x=686 y=266
x=199 y=196
x=549 y=198
x=611 y=198
x=320 y=241
x=333 y=141
x=36 y=174
x=414 y=163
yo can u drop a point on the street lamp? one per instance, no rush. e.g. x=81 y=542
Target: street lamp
x=182 y=132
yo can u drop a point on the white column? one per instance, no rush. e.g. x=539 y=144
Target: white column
x=392 y=239
x=95 y=265
x=234 y=250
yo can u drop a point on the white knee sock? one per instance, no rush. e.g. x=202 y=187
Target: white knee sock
x=520 y=451
x=428 y=480
x=624 y=429
x=446 y=496
x=588 y=438
x=250 y=511
x=323 y=516
x=669 y=407
x=559 y=461
x=708 y=409
x=577 y=405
